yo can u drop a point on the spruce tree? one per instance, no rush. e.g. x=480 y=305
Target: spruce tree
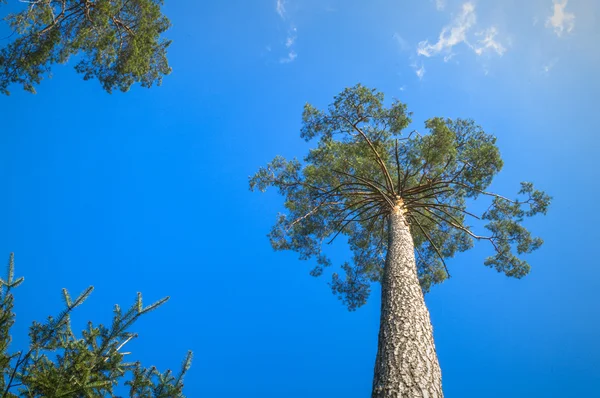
x=404 y=203
x=117 y=42
x=60 y=364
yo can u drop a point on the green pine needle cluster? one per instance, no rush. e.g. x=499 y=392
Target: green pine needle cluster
x=60 y=364
x=116 y=41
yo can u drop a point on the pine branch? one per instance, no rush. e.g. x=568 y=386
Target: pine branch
x=432 y=244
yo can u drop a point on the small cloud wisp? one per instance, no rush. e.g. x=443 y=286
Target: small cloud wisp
x=561 y=21
x=452 y=34
x=280 y=8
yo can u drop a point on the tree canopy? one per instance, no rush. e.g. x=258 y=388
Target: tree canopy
x=117 y=42
x=59 y=364
x=365 y=163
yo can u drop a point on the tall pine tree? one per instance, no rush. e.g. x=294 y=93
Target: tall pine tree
x=402 y=200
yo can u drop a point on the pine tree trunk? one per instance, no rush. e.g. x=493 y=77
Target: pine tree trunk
x=406 y=364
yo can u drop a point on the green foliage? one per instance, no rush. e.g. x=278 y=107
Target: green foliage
x=364 y=165
x=118 y=42
x=59 y=364
x=505 y=218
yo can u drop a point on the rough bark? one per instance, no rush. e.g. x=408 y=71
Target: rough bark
x=406 y=364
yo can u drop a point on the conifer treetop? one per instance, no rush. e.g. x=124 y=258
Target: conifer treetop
x=365 y=163
x=57 y=363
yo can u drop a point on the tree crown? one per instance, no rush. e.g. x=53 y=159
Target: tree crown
x=364 y=165
x=118 y=42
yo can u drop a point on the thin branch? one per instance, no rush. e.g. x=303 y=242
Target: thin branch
x=346 y=222
x=429 y=195
x=425 y=187
x=457 y=226
x=378 y=158
x=409 y=135
x=12 y=376
x=380 y=214
x=297 y=220
x=370 y=184
x=495 y=195
x=342 y=214
x=417 y=204
x=458 y=222
x=436 y=178
x=433 y=245
x=404 y=179
x=434 y=182
x=374 y=182
x=431 y=219
x=118 y=22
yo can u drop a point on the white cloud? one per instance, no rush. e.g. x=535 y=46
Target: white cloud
x=280 y=8
x=448 y=57
x=561 y=20
x=452 y=34
x=440 y=4
x=290 y=57
x=290 y=39
x=419 y=70
x=459 y=31
x=488 y=43
x=289 y=44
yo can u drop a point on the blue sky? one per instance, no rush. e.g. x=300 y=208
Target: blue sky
x=147 y=191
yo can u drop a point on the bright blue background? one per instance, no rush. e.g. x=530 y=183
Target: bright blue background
x=147 y=191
